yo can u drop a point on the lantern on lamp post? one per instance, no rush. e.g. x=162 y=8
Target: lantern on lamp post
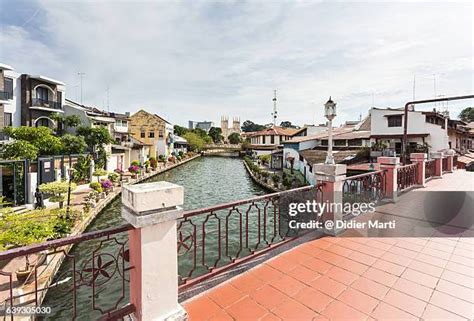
x=329 y=113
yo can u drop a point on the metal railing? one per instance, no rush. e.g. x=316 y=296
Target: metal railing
x=407 y=176
x=87 y=279
x=214 y=239
x=444 y=164
x=38 y=102
x=430 y=168
x=364 y=188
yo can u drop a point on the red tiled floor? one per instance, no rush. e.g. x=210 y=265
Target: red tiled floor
x=246 y=309
x=458 y=278
x=380 y=277
x=247 y=282
x=225 y=295
x=414 y=289
x=341 y=275
x=370 y=287
x=313 y=299
x=270 y=317
x=201 y=308
x=288 y=285
x=266 y=273
x=426 y=268
x=328 y=286
x=358 y=300
x=268 y=297
x=221 y=316
x=385 y=311
x=362 y=258
x=433 y=313
x=452 y=304
x=282 y=264
x=456 y=290
x=340 y=311
x=304 y=274
x=318 y=265
x=389 y=267
x=405 y=302
x=420 y=278
x=293 y=310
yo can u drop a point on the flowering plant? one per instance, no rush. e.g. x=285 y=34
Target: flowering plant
x=106 y=184
x=118 y=171
x=133 y=169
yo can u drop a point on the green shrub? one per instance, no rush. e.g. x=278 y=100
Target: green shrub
x=96 y=186
x=265 y=159
x=135 y=163
x=275 y=179
x=57 y=190
x=114 y=177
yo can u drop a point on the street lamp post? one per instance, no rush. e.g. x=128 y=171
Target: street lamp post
x=68 y=209
x=329 y=113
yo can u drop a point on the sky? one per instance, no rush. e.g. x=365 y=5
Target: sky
x=199 y=60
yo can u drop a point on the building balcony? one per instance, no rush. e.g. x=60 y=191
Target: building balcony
x=121 y=129
x=50 y=104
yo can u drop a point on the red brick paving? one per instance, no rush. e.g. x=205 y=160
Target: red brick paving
x=353 y=278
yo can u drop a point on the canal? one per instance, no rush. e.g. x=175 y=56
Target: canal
x=207 y=181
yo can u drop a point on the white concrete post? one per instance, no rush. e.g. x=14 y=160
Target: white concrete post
x=153 y=209
x=333 y=178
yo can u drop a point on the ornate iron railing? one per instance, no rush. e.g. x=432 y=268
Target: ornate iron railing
x=214 y=239
x=429 y=168
x=364 y=188
x=99 y=280
x=445 y=164
x=39 y=102
x=406 y=176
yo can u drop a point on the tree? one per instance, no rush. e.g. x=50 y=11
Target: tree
x=57 y=189
x=287 y=124
x=73 y=144
x=179 y=130
x=195 y=142
x=250 y=126
x=234 y=138
x=467 y=114
x=65 y=122
x=216 y=134
x=95 y=136
x=40 y=137
x=19 y=149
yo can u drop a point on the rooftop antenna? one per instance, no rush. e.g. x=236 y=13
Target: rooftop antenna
x=81 y=74
x=275 y=113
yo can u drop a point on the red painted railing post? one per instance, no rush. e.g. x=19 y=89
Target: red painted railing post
x=153 y=210
x=333 y=178
x=390 y=164
x=420 y=160
x=438 y=167
x=450 y=155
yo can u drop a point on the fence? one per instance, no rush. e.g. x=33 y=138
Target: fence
x=214 y=239
x=406 y=176
x=14 y=181
x=98 y=281
x=430 y=168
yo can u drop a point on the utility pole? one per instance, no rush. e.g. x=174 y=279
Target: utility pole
x=275 y=113
x=81 y=74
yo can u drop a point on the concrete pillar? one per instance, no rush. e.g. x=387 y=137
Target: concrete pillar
x=333 y=178
x=438 y=157
x=390 y=164
x=153 y=209
x=450 y=155
x=420 y=160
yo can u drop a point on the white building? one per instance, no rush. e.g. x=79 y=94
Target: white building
x=10 y=102
x=424 y=127
x=264 y=141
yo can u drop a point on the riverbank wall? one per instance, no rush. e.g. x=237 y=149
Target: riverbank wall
x=54 y=261
x=259 y=181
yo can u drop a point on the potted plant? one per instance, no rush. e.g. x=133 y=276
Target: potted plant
x=98 y=173
x=153 y=163
x=275 y=179
x=107 y=186
x=57 y=190
x=114 y=178
x=147 y=166
x=134 y=169
x=377 y=149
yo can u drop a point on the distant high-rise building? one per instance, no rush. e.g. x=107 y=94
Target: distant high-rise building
x=204 y=125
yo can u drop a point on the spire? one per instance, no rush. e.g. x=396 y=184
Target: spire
x=275 y=113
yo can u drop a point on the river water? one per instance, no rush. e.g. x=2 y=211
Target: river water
x=207 y=181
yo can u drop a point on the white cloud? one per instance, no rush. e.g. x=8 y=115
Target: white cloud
x=199 y=60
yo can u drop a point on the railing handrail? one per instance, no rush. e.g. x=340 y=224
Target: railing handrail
x=407 y=165
x=365 y=174
x=247 y=200
x=35 y=248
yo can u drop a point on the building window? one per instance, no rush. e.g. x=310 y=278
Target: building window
x=263 y=140
x=151 y=134
x=8 y=87
x=340 y=142
x=272 y=139
x=142 y=134
x=7 y=122
x=324 y=142
x=301 y=158
x=355 y=142
x=394 y=121
x=161 y=134
x=42 y=94
x=310 y=168
x=59 y=97
x=42 y=122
